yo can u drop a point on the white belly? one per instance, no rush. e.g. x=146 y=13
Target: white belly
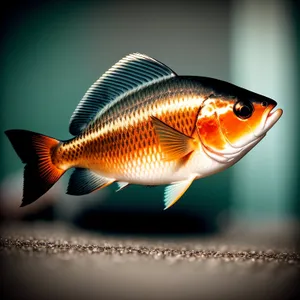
x=160 y=172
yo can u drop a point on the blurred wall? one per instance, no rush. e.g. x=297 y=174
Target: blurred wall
x=296 y=26
x=263 y=59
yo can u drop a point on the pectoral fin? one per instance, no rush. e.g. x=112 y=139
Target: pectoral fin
x=174 y=144
x=174 y=191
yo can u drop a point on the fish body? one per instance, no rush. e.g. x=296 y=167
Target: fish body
x=141 y=123
x=123 y=145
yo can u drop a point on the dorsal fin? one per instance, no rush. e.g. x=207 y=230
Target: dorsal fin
x=131 y=72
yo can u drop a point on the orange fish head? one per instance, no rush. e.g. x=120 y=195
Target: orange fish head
x=231 y=125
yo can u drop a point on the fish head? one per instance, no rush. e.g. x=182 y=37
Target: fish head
x=230 y=126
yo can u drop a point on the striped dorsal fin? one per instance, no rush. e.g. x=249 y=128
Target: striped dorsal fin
x=131 y=72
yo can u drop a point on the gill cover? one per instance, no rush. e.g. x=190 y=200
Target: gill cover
x=208 y=125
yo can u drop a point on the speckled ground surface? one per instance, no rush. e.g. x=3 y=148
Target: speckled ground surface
x=48 y=261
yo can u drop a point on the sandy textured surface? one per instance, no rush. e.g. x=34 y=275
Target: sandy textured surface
x=49 y=261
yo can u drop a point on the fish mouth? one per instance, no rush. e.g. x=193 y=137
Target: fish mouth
x=270 y=117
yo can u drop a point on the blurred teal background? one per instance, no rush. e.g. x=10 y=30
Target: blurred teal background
x=51 y=52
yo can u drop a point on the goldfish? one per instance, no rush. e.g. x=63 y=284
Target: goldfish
x=141 y=123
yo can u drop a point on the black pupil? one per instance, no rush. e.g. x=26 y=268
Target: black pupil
x=243 y=110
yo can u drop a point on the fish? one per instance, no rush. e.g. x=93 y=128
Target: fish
x=141 y=123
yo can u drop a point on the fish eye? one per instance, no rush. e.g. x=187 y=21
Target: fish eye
x=243 y=109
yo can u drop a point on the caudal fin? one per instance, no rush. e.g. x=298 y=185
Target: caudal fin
x=35 y=151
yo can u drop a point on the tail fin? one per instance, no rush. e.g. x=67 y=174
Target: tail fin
x=40 y=173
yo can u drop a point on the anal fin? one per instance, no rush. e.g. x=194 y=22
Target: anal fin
x=174 y=191
x=84 y=181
